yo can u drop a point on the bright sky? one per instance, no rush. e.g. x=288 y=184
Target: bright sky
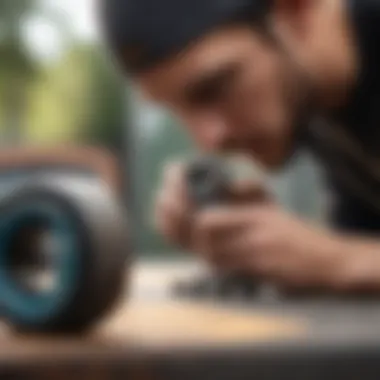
x=47 y=41
x=44 y=34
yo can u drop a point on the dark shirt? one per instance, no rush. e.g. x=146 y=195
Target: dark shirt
x=348 y=145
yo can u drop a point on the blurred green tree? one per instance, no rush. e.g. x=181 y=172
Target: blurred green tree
x=17 y=66
x=79 y=99
x=105 y=100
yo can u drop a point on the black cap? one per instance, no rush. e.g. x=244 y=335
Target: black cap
x=144 y=32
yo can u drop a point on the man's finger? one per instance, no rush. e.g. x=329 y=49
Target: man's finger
x=212 y=244
x=224 y=218
x=253 y=250
x=171 y=219
x=245 y=191
x=174 y=176
x=233 y=252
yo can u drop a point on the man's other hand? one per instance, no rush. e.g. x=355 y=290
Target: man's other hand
x=251 y=234
x=265 y=241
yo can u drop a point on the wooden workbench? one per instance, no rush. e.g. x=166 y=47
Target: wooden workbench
x=154 y=336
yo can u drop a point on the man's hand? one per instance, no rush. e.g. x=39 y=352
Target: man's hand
x=175 y=213
x=251 y=234
x=264 y=241
x=173 y=207
x=254 y=235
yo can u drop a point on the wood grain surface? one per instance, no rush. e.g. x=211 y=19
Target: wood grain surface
x=153 y=336
x=151 y=319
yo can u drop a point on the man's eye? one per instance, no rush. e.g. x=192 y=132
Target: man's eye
x=212 y=89
x=208 y=94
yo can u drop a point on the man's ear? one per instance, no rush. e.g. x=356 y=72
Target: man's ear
x=294 y=15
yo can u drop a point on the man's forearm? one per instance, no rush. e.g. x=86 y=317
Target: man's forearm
x=358 y=266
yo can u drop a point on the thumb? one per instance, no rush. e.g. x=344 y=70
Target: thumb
x=245 y=191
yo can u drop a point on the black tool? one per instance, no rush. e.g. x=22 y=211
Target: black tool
x=208 y=181
x=63 y=254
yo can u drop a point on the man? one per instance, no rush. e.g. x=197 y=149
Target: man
x=263 y=78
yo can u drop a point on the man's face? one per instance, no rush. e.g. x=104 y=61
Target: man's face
x=234 y=90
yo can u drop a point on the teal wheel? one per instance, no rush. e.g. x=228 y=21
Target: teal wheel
x=61 y=269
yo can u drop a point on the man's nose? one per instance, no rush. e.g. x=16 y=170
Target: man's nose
x=213 y=132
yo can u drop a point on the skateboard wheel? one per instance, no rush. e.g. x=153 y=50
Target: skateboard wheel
x=63 y=254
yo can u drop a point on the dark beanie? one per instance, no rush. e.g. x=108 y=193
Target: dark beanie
x=142 y=33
